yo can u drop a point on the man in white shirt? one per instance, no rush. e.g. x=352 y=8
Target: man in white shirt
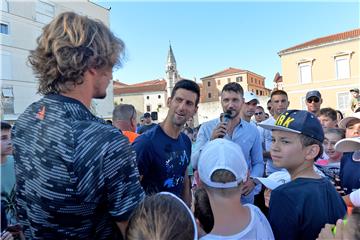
x=279 y=104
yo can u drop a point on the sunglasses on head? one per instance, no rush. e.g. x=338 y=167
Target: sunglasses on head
x=258 y=113
x=315 y=99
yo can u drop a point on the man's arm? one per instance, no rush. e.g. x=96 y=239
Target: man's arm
x=186 y=194
x=121 y=176
x=257 y=161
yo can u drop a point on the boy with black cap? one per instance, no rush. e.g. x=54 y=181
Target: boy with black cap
x=300 y=208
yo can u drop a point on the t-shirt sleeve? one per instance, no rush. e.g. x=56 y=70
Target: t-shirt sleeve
x=257 y=161
x=283 y=216
x=263 y=226
x=121 y=177
x=142 y=147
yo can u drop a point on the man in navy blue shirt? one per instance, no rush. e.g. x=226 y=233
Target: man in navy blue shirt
x=76 y=175
x=163 y=153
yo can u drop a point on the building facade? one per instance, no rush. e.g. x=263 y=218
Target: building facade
x=21 y=23
x=329 y=64
x=213 y=84
x=149 y=96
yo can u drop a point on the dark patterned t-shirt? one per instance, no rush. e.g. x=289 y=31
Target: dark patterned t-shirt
x=76 y=175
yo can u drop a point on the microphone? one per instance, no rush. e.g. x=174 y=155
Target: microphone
x=227 y=116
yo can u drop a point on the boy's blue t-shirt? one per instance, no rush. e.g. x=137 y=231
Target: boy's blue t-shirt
x=162 y=160
x=301 y=208
x=349 y=173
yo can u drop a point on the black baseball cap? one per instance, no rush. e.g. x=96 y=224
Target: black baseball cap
x=298 y=121
x=314 y=93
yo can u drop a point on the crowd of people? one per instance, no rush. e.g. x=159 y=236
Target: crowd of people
x=247 y=174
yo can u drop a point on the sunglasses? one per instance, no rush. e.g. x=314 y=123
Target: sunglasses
x=315 y=100
x=258 y=113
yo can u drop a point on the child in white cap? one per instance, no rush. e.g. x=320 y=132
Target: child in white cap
x=222 y=170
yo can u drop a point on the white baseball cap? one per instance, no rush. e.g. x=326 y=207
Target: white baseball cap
x=249 y=96
x=275 y=179
x=222 y=154
x=348 y=145
x=345 y=121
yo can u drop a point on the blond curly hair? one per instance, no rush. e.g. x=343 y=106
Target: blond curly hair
x=69 y=45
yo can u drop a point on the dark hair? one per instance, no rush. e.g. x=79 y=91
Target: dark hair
x=5 y=126
x=278 y=92
x=260 y=107
x=223 y=176
x=269 y=101
x=68 y=46
x=328 y=112
x=160 y=216
x=234 y=87
x=202 y=209
x=337 y=131
x=188 y=85
x=341 y=114
x=307 y=141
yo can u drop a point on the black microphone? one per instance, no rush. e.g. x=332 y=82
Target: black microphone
x=227 y=116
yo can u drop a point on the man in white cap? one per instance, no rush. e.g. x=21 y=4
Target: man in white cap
x=223 y=171
x=249 y=107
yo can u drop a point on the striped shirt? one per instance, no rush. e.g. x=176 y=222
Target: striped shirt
x=76 y=175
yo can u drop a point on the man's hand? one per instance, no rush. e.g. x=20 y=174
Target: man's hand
x=219 y=131
x=248 y=187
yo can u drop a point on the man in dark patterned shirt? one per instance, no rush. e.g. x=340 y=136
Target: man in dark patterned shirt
x=76 y=175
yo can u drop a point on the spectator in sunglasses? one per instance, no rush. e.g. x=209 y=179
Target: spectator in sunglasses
x=313 y=102
x=259 y=114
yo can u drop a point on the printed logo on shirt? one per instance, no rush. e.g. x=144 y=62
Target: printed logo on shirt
x=41 y=114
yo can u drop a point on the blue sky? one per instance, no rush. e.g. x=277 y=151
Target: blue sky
x=208 y=37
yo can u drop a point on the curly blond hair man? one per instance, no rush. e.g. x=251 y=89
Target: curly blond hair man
x=76 y=175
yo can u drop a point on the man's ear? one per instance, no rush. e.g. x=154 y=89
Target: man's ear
x=168 y=102
x=92 y=71
x=312 y=151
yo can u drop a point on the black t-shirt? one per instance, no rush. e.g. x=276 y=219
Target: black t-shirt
x=300 y=208
x=162 y=161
